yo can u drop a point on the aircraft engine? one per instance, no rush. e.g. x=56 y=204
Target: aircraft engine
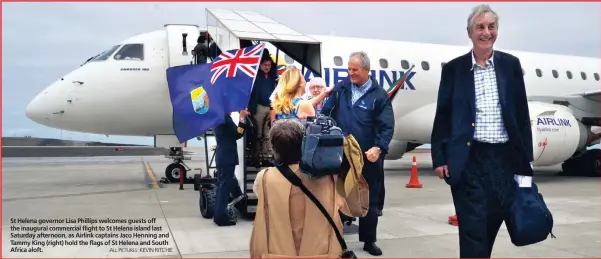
x=396 y=149
x=556 y=133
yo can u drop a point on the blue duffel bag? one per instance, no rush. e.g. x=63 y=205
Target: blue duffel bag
x=529 y=220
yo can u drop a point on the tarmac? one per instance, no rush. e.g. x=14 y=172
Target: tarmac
x=81 y=190
x=80 y=151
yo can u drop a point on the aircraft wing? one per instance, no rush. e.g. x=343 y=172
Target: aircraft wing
x=583 y=105
x=593 y=95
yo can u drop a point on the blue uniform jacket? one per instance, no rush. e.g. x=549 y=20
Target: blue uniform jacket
x=454 y=122
x=226 y=135
x=370 y=120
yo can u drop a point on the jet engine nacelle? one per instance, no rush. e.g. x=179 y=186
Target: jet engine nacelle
x=396 y=150
x=556 y=133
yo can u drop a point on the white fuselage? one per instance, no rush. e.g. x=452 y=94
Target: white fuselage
x=131 y=97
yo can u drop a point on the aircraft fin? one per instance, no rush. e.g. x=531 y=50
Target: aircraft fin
x=394 y=88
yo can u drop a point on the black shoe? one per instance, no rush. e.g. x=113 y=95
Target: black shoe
x=372 y=249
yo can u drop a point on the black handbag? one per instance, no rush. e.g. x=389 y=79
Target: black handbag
x=293 y=179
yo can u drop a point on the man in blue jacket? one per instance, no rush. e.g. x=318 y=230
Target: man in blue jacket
x=481 y=135
x=226 y=160
x=362 y=108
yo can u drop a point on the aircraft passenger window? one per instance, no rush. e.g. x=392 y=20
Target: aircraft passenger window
x=131 y=52
x=425 y=66
x=337 y=61
x=383 y=63
x=105 y=55
x=555 y=74
x=596 y=76
x=569 y=74
x=539 y=73
x=583 y=75
x=405 y=64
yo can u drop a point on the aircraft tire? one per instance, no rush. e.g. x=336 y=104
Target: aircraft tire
x=206 y=203
x=170 y=171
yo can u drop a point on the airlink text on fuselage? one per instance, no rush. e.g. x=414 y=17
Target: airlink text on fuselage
x=385 y=78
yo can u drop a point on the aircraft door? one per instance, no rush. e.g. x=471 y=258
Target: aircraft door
x=181 y=40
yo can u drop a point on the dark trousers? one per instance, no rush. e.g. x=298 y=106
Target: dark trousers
x=483 y=196
x=381 y=195
x=374 y=175
x=226 y=185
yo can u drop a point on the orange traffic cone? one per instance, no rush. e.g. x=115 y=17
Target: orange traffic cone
x=414 y=181
x=453 y=220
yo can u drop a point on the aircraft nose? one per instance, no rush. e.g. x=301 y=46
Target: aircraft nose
x=34 y=110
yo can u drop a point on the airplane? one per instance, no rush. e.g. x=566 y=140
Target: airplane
x=123 y=90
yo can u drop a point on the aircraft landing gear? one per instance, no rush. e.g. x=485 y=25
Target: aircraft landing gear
x=586 y=164
x=178 y=168
x=174 y=171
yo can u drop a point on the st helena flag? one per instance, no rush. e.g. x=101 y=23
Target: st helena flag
x=201 y=95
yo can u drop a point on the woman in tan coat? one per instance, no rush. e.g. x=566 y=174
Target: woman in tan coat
x=287 y=223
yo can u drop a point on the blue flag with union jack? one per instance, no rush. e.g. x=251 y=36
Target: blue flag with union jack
x=202 y=95
x=236 y=70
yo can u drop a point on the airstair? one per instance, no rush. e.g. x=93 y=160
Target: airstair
x=235 y=30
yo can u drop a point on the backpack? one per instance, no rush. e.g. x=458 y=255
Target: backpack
x=322 y=148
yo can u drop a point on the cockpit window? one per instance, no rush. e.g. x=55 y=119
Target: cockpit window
x=130 y=52
x=102 y=56
x=105 y=55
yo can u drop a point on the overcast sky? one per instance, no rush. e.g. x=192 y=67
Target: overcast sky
x=43 y=41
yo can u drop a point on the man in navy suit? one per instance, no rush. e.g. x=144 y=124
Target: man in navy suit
x=481 y=137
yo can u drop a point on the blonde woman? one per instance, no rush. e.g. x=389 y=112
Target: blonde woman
x=288 y=101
